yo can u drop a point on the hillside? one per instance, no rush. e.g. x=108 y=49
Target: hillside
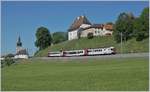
x=129 y=46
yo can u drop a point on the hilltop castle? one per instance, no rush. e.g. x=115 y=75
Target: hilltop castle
x=82 y=26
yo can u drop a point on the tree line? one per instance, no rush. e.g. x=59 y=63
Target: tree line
x=132 y=27
x=44 y=38
x=126 y=24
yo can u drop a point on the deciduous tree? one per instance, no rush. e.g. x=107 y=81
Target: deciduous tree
x=141 y=25
x=43 y=38
x=124 y=25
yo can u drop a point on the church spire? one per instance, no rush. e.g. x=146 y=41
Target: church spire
x=19 y=43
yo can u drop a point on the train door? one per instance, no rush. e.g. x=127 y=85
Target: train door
x=85 y=52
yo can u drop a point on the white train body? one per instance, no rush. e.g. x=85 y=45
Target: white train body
x=86 y=52
x=74 y=53
x=55 y=54
x=101 y=51
x=95 y=51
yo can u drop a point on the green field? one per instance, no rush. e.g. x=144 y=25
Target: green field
x=99 y=74
x=129 y=46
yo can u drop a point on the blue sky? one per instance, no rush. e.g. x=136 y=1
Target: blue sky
x=24 y=17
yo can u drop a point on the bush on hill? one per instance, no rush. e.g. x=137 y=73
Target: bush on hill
x=90 y=35
x=59 y=37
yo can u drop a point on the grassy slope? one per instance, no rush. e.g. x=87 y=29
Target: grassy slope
x=106 y=74
x=129 y=46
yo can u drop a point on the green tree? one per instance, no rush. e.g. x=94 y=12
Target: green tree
x=141 y=25
x=124 y=25
x=59 y=37
x=43 y=38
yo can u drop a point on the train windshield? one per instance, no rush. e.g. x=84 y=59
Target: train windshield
x=112 y=48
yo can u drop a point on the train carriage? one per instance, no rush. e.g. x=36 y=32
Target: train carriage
x=55 y=54
x=74 y=53
x=98 y=51
x=101 y=51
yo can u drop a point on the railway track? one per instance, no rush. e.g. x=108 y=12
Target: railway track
x=129 y=55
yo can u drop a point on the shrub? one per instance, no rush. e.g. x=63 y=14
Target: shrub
x=59 y=37
x=10 y=55
x=8 y=61
x=90 y=35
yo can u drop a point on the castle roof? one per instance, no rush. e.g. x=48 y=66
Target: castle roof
x=100 y=26
x=108 y=27
x=78 y=22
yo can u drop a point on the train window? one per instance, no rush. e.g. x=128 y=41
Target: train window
x=100 y=50
x=96 y=50
x=81 y=52
x=89 y=51
x=112 y=49
x=72 y=53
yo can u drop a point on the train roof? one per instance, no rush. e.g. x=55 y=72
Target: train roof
x=73 y=50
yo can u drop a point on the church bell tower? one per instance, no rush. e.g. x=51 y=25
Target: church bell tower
x=19 y=44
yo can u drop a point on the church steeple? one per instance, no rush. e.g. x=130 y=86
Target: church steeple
x=19 y=43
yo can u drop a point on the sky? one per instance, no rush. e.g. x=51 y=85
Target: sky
x=22 y=18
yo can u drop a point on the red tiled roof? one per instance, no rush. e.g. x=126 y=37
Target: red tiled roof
x=108 y=27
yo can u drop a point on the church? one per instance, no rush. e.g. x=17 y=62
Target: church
x=81 y=27
x=20 y=51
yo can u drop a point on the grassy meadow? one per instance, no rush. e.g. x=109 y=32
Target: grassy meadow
x=129 y=46
x=125 y=74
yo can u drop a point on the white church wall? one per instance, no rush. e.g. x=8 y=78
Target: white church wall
x=21 y=56
x=73 y=35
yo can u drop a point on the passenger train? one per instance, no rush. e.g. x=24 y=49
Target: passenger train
x=85 y=52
